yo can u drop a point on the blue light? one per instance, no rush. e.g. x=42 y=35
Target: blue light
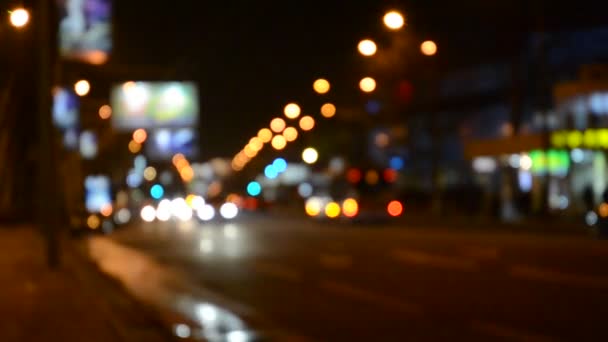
x=254 y=189
x=396 y=163
x=157 y=191
x=373 y=107
x=280 y=165
x=271 y=172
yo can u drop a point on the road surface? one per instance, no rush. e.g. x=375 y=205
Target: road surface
x=331 y=282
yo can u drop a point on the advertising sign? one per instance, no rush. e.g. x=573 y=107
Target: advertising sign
x=164 y=143
x=154 y=105
x=97 y=193
x=85 y=30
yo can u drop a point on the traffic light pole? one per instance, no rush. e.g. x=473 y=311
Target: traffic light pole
x=47 y=201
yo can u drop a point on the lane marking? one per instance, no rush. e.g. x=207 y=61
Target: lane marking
x=480 y=252
x=502 y=331
x=414 y=257
x=336 y=261
x=552 y=276
x=278 y=271
x=347 y=290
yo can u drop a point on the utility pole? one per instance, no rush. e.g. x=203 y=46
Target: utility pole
x=47 y=199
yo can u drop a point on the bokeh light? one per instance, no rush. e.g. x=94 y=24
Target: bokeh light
x=313 y=206
x=265 y=135
x=321 y=86
x=106 y=210
x=82 y=87
x=372 y=177
x=270 y=172
x=353 y=175
x=19 y=17
x=277 y=125
x=428 y=48
x=390 y=175
x=254 y=189
x=256 y=144
x=394 y=208
x=291 y=111
x=93 y=222
x=394 y=20
x=229 y=210
x=157 y=191
x=382 y=139
x=367 y=84
x=149 y=173
x=328 y=110
x=367 y=47
x=140 y=135
x=350 y=207
x=134 y=146
x=278 y=142
x=332 y=210
x=310 y=155
x=290 y=134
x=105 y=112
x=307 y=123
x=280 y=165
x=148 y=213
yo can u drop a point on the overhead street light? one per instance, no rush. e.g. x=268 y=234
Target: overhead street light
x=394 y=20
x=19 y=17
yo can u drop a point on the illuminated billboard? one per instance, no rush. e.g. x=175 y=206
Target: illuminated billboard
x=97 y=193
x=164 y=143
x=65 y=109
x=154 y=105
x=85 y=30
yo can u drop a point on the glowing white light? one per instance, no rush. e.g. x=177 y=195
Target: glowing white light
x=148 y=213
x=484 y=164
x=198 y=203
x=180 y=209
x=525 y=162
x=577 y=155
x=206 y=313
x=591 y=218
x=182 y=331
x=19 y=17
x=229 y=210
x=237 y=336
x=174 y=97
x=206 y=213
x=136 y=96
x=514 y=161
x=163 y=211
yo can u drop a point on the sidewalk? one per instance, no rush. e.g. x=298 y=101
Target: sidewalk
x=75 y=303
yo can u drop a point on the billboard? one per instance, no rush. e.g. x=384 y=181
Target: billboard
x=164 y=143
x=97 y=193
x=85 y=30
x=154 y=105
x=65 y=109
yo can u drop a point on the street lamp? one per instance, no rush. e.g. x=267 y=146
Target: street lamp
x=321 y=86
x=394 y=20
x=292 y=110
x=19 y=17
x=428 y=47
x=307 y=123
x=367 y=47
x=310 y=155
x=328 y=110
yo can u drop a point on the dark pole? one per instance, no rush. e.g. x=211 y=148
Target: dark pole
x=48 y=208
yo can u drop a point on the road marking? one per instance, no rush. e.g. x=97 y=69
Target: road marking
x=483 y=253
x=552 y=276
x=414 y=257
x=335 y=261
x=278 y=271
x=363 y=295
x=502 y=331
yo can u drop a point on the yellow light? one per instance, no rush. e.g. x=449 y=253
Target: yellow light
x=328 y=110
x=575 y=139
x=256 y=144
x=307 y=123
x=559 y=139
x=590 y=138
x=106 y=210
x=250 y=152
x=394 y=20
x=367 y=47
x=332 y=210
x=93 y=222
x=236 y=166
x=277 y=125
x=140 y=135
x=190 y=199
x=149 y=173
x=82 y=87
x=265 y=135
x=177 y=157
x=428 y=47
x=278 y=142
x=321 y=86
x=19 y=17
x=350 y=207
x=291 y=111
x=187 y=174
x=372 y=177
x=603 y=210
x=602 y=137
x=134 y=146
x=105 y=112
x=313 y=206
x=367 y=84
x=290 y=134
x=182 y=163
x=310 y=155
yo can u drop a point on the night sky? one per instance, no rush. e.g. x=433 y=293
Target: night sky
x=252 y=57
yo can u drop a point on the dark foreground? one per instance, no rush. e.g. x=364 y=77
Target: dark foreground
x=319 y=281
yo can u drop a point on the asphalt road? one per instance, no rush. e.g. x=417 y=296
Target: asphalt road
x=329 y=282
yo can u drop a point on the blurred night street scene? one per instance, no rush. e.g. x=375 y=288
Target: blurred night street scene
x=303 y=171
